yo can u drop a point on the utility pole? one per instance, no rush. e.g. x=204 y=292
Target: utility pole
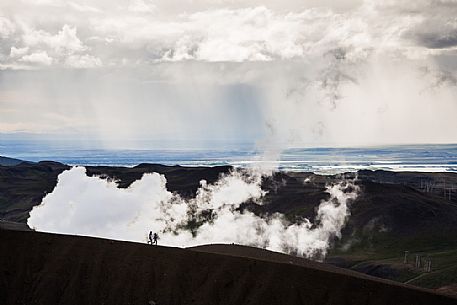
x=444 y=187
x=428 y=265
x=418 y=261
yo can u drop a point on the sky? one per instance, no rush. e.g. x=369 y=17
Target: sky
x=281 y=74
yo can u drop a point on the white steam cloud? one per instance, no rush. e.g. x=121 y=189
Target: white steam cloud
x=93 y=206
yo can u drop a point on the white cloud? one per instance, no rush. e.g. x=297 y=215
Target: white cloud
x=18 y=52
x=40 y=58
x=237 y=31
x=7 y=27
x=83 y=7
x=141 y=6
x=44 y=2
x=65 y=41
x=83 y=61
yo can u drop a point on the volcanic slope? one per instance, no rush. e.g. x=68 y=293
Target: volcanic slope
x=41 y=268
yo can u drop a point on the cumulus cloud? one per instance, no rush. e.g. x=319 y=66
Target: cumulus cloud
x=238 y=31
x=82 y=7
x=7 y=27
x=40 y=58
x=83 y=61
x=96 y=207
x=141 y=6
x=65 y=41
x=257 y=34
x=18 y=52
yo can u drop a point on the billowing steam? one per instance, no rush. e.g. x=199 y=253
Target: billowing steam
x=93 y=206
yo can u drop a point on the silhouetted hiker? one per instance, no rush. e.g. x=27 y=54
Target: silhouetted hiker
x=155 y=238
x=150 y=238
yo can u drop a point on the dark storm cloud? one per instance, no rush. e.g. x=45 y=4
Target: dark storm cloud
x=438 y=40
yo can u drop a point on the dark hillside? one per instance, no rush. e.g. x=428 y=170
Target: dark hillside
x=39 y=268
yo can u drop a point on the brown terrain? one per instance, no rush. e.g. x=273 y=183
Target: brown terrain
x=41 y=268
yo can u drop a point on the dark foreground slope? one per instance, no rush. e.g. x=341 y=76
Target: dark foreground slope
x=39 y=268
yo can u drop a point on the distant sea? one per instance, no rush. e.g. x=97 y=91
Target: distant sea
x=425 y=158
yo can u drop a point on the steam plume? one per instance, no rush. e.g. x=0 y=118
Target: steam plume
x=93 y=206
